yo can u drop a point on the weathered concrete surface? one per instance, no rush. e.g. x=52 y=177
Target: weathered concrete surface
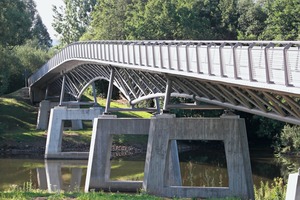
x=293 y=187
x=230 y=130
x=44 y=113
x=55 y=130
x=98 y=171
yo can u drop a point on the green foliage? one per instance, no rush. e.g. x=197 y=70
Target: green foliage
x=283 y=21
x=252 y=19
x=275 y=191
x=289 y=140
x=15 y=22
x=108 y=20
x=19 y=21
x=265 y=127
x=27 y=192
x=18 y=63
x=72 y=20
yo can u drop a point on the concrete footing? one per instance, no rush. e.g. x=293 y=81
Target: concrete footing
x=293 y=187
x=55 y=130
x=162 y=172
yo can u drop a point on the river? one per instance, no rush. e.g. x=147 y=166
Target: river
x=198 y=168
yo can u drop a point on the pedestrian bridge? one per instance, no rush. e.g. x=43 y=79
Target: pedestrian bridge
x=259 y=77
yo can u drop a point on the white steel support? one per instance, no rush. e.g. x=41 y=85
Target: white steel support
x=94 y=94
x=167 y=95
x=287 y=70
x=62 y=92
x=110 y=89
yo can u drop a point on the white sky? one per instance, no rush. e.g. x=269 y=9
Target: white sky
x=44 y=8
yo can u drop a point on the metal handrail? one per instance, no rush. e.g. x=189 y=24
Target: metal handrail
x=244 y=60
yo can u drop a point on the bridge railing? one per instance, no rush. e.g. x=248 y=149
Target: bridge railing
x=259 y=61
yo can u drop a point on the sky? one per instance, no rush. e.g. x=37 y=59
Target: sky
x=44 y=8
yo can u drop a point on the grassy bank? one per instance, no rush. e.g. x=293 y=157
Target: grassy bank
x=18 y=122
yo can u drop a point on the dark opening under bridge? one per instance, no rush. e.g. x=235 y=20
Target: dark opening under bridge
x=258 y=77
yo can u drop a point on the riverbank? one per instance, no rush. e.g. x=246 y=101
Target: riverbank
x=18 y=135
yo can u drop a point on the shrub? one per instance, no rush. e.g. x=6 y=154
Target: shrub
x=289 y=140
x=275 y=191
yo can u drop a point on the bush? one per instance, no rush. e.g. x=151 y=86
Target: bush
x=275 y=191
x=289 y=140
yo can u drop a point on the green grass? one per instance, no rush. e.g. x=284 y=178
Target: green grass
x=32 y=194
x=18 y=122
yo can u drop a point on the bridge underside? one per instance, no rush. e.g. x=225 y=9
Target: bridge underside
x=137 y=85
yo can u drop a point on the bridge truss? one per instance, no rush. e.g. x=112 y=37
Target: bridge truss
x=257 y=77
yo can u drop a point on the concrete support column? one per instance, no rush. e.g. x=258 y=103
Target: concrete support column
x=76 y=124
x=169 y=156
x=293 y=187
x=98 y=171
x=43 y=115
x=231 y=131
x=55 y=130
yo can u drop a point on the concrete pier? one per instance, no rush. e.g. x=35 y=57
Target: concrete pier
x=98 y=171
x=162 y=172
x=293 y=187
x=55 y=130
x=230 y=130
x=44 y=113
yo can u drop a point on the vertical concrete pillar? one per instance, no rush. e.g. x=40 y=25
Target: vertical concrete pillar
x=55 y=132
x=293 y=187
x=169 y=170
x=76 y=124
x=98 y=171
x=229 y=130
x=43 y=115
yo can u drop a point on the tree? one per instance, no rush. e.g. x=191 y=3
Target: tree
x=71 y=21
x=283 y=21
x=227 y=28
x=251 y=21
x=15 y=22
x=39 y=31
x=108 y=20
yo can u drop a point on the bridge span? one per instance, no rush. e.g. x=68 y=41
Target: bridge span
x=258 y=77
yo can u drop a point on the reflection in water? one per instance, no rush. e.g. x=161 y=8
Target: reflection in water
x=68 y=175
x=52 y=179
